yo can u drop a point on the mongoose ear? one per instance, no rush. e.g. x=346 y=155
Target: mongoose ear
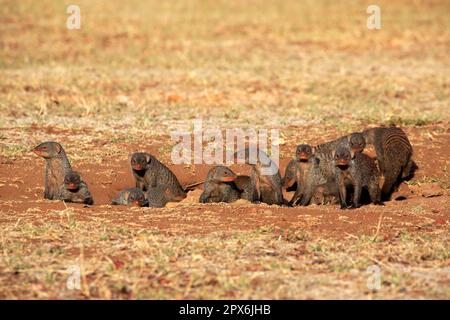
x=58 y=148
x=148 y=159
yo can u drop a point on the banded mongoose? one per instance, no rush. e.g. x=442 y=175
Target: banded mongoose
x=308 y=175
x=358 y=170
x=324 y=152
x=150 y=172
x=219 y=186
x=56 y=167
x=159 y=196
x=131 y=196
x=394 y=155
x=75 y=190
x=265 y=178
x=326 y=193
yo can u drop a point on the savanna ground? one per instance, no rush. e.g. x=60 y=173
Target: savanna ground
x=137 y=70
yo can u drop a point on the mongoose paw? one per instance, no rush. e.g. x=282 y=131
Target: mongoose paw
x=378 y=203
x=354 y=206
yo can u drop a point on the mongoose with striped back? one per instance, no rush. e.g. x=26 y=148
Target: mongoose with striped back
x=150 y=172
x=358 y=170
x=219 y=186
x=394 y=156
x=326 y=193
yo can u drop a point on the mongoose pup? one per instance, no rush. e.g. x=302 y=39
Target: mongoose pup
x=265 y=178
x=75 y=190
x=326 y=193
x=57 y=166
x=308 y=175
x=149 y=172
x=131 y=197
x=219 y=186
x=394 y=156
x=358 y=170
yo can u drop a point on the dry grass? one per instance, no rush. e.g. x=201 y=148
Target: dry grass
x=150 y=63
x=131 y=262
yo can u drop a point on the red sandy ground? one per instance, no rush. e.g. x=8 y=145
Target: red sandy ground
x=21 y=196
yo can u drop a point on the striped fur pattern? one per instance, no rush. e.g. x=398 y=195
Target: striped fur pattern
x=394 y=155
x=158 y=174
x=324 y=152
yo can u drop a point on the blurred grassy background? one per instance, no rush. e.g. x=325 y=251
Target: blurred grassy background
x=265 y=63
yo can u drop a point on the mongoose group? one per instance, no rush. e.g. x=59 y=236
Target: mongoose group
x=334 y=172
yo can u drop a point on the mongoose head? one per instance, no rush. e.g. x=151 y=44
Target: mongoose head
x=140 y=160
x=319 y=197
x=342 y=156
x=48 y=149
x=136 y=198
x=222 y=174
x=357 y=142
x=72 y=181
x=304 y=152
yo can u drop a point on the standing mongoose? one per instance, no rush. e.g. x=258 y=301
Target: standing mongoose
x=131 y=196
x=308 y=175
x=219 y=186
x=57 y=166
x=394 y=156
x=324 y=152
x=265 y=178
x=358 y=170
x=149 y=172
x=354 y=140
x=74 y=189
x=326 y=193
